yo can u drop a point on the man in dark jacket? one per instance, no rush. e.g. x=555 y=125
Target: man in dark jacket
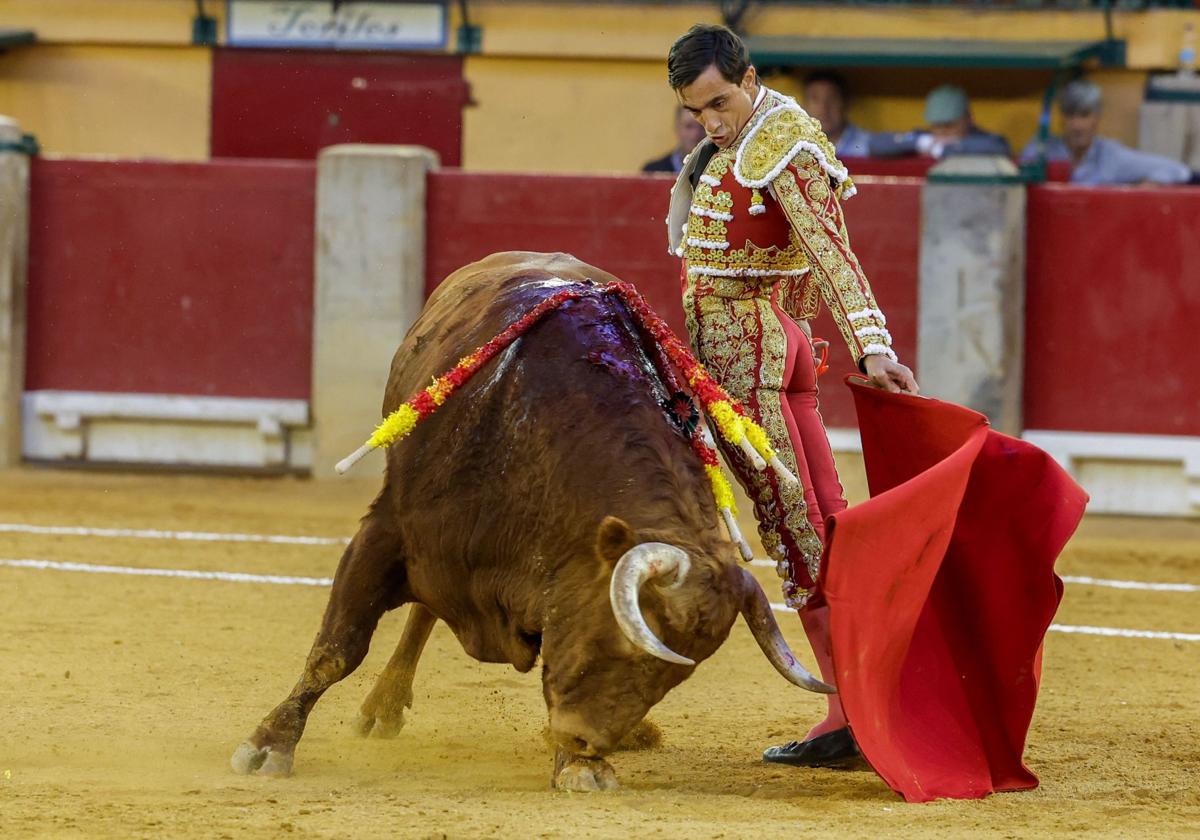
x=950 y=131
x=688 y=133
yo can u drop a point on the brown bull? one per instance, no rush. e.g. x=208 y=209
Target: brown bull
x=527 y=513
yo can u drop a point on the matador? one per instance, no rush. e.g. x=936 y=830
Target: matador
x=756 y=217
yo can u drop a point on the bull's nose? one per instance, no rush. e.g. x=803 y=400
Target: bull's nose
x=571 y=732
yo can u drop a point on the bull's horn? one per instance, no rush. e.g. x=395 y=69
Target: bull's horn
x=643 y=562
x=756 y=609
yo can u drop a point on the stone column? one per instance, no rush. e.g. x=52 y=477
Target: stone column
x=14 y=248
x=1169 y=119
x=370 y=287
x=971 y=301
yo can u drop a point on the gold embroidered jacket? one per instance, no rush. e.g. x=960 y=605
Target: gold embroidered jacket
x=766 y=212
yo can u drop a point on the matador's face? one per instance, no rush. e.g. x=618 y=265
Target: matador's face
x=719 y=105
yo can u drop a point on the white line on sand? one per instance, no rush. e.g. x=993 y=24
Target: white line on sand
x=1085 y=581
x=1133 y=584
x=1087 y=631
x=1117 y=631
x=195 y=574
x=154 y=534
x=284 y=539
x=242 y=577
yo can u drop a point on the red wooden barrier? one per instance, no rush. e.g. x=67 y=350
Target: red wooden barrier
x=277 y=103
x=171 y=278
x=614 y=223
x=901 y=167
x=617 y=223
x=1112 y=303
x=918 y=167
x=197 y=278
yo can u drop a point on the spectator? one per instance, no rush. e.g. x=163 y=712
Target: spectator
x=688 y=133
x=950 y=131
x=1100 y=160
x=826 y=97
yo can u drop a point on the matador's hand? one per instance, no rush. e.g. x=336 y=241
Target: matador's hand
x=820 y=350
x=889 y=375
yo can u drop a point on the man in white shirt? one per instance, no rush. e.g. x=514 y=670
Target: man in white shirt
x=1102 y=160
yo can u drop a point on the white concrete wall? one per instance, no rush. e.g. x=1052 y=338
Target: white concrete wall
x=971 y=291
x=370 y=287
x=14 y=248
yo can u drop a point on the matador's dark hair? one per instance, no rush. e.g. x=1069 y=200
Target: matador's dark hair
x=701 y=47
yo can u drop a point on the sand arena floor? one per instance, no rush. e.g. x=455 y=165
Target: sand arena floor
x=122 y=697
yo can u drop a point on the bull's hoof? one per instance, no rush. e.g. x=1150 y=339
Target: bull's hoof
x=382 y=713
x=586 y=774
x=379 y=724
x=248 y=759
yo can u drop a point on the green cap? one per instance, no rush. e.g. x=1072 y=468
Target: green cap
x=945 y=104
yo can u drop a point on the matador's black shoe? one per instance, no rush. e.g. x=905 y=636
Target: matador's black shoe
x=835 y=749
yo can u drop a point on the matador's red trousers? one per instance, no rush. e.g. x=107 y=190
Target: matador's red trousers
x=764 y=360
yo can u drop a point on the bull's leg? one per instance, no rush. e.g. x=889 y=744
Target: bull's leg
x=369 y=581
x=383 y=711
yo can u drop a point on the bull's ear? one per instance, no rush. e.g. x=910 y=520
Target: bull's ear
x=613 y=539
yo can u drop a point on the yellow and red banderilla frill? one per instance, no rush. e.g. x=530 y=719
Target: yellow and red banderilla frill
x=726 y=413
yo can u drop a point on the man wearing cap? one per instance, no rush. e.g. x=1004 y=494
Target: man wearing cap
x=756 y=216
x=1101 y=160
x=950 y=131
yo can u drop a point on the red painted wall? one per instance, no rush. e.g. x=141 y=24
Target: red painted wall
x=617 y=223
x=1112 y=303
x=614 y=223
x=171 y=278
x=292 y=103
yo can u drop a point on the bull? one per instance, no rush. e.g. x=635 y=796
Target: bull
x=548 y=509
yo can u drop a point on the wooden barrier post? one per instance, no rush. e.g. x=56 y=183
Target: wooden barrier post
x=14 y=248
x=971 y=290
x=370 y=287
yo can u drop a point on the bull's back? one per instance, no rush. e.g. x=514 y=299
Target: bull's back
x=499 y=494
x=473 y=305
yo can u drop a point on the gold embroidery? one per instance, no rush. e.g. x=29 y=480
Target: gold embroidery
x=737 y=288
x=705 y=198
x=822 y=232
x=817 y=191
x=730 y=336
x=799 y=297
x=776 y=136
x=704 y=228
x=750 y=259
x=701 y=227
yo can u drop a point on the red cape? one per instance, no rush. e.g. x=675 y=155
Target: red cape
x=941 y=588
